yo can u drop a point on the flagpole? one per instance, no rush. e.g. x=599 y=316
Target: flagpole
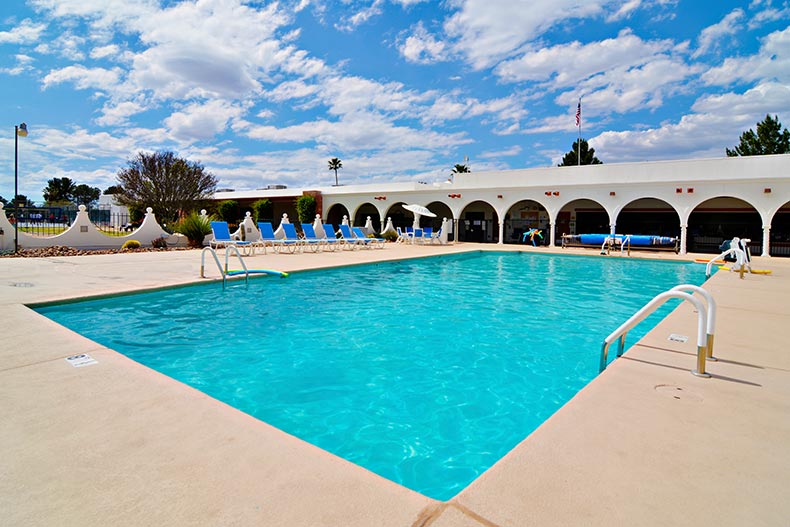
x=579 y=124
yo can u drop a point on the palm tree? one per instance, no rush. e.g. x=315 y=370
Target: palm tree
x=335 y=164
x=460 y=169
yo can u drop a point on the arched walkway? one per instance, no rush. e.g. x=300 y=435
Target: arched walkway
x=581 y=216
x=478 y=222
x=780 y=232
x=723 y=218
x=648 y=216
x=335 y=214
x=365 y=210
x=521 y=217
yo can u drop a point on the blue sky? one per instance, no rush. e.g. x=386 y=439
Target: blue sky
x=265 y=93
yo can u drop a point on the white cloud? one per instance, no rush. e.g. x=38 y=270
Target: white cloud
x=23 y=64
x=114 y=114
x=26 y=32
x=772 y=61
x=361 y=16
x=710 y=36
x=84 y=78
x=200 y=121
x=102 y=52
x=507 y=152
x=614 y=75
x=490 y=30
x=421 y=47
x=717 y=125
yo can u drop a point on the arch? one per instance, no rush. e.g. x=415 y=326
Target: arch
x=335 y=214
x=363 y=211
x=780 y=231
x=400 y=216
x=722 y=218
x=648 y=215
x=582 y=216
x=525 y=215
x=478 y=222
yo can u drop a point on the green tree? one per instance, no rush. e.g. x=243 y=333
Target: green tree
x=114 y=189
x=3 y=201
x=769 y=139
x=262 y=210
x=306 y=206
x=85 y=195
x=588 y=155
x=166 y=183
x=461 y=169
x=59 y=191
x=335 y=164
x=228 y=210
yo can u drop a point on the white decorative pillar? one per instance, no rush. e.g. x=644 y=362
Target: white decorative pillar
x=766 y=241
x=612 y=229
x=501 y=232
x=683 y=237
x=552 y=235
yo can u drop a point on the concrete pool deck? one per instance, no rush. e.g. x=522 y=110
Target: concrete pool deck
x=645 y=443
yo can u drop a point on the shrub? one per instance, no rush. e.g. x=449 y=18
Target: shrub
x=159 y=243
x=228 y=210
x=131 y=244
x=262 y=210
x=195 y=227
x=306 y=206
x=390 y=236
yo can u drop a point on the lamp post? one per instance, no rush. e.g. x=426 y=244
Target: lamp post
x=19 y=131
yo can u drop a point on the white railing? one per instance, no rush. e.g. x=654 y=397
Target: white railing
x=702 y=326
x=223 y=271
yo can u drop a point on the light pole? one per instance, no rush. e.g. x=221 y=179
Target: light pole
x=19 y=131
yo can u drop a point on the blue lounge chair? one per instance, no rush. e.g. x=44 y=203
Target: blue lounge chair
x=311 y=237
x=222 y=237
x=375 y=242
x=292 y=236
x=268 y=238
x=353 y=241
x=332 y=239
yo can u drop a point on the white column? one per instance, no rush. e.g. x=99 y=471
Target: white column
x=501 y=232
x=683 y=238
x=766 y=240
x=552 y=235
x=612 y=229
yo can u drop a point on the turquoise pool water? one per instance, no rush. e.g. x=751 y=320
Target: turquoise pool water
x=425 y=371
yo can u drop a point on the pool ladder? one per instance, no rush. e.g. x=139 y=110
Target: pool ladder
x=223 y=271
x=706 y=322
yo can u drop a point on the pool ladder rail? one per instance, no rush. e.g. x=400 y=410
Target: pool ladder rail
x=223 y=271
x=706 y=325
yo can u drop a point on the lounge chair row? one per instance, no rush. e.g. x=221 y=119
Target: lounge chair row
x=350 y=238
x=424 y=235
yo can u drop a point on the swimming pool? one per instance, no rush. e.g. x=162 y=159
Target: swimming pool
x=424 y=371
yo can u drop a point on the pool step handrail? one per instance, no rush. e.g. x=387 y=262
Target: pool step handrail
x=222 y=271
x=711 y=306
x=647 y=309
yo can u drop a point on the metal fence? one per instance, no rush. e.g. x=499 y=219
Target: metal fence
x=51 y=221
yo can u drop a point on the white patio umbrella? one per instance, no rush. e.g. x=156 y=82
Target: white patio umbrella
x=418 y=211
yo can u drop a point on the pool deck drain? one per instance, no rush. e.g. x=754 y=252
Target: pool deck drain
x=645 y=443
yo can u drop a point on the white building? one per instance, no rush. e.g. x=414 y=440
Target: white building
x=702 y=202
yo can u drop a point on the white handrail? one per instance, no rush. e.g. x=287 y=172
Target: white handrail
x=216 y=259
x=646 y=310
x=711 y=304
x=238 y=255
x=223 y=272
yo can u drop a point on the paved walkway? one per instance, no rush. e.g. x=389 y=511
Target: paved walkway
x=646 y=443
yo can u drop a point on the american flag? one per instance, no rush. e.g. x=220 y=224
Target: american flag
x=579 y=113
